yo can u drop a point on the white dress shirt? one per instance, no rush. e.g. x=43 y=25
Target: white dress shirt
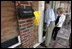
x=49 y=15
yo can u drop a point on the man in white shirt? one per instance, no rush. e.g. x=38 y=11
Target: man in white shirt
x=50 y=24
x=58 y=22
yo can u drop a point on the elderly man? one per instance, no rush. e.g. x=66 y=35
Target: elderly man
x=50 y=23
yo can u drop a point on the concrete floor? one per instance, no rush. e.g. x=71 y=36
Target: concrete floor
x=58 y=43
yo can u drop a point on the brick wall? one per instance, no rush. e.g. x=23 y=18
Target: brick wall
x=26 y=27
x=28 y=31
x=8 y=21
x=35 y=5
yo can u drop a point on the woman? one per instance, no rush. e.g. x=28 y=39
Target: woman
x=58 y=22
